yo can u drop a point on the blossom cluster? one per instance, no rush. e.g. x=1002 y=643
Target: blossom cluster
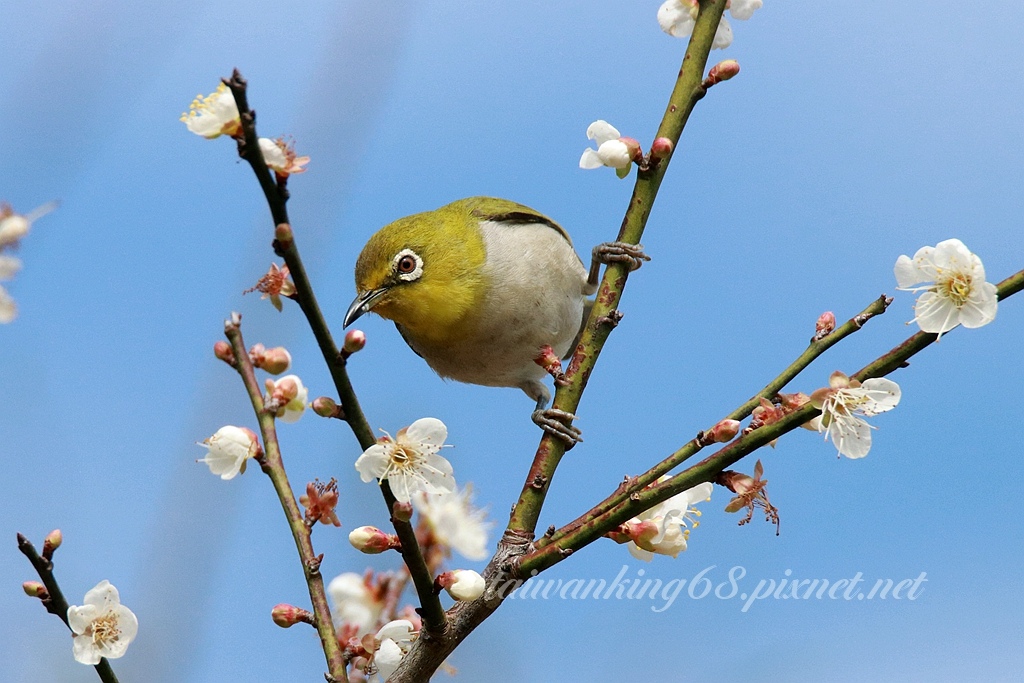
x=13 y=228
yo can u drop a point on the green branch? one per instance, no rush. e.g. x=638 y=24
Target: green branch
x=634 y=484
x=687 y=92
x=709 y=468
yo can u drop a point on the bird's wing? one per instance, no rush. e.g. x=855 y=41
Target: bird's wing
x=505 y=211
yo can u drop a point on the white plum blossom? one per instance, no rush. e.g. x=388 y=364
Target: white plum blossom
x=410 y=462
x=229 y=450
x=354 y=602
x=662 y=529
x=280 y=157
x=103 y=627
x=13 y=228
x=395 y=638
x=454 y=521
x=612 y=150
x=845 y=403
x=214 y=115
x=677 y=18
x=957 y=294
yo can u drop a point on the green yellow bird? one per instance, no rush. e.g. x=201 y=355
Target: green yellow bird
x=488 y=292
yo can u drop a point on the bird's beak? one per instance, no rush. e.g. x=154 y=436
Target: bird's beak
x=363 y=303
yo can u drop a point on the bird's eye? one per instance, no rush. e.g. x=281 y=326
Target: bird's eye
x=406 y=264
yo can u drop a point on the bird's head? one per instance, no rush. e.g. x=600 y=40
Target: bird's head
x=424 y=272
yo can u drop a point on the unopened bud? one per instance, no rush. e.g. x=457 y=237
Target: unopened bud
x=724 y=431
x=355 y=340
x=825 y=325
x=722 y=71
x=287 y=616
x=51 y=543
x=461 y=584
x=275 y=360
x=283 y=233
x=223 y=351
x=401 y=512
x=661 y=148
x=34 y=589
x=371 y=540
x=326 y=407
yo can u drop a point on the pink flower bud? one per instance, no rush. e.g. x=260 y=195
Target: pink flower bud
x=661 y=148
x=722 y=71
x=355 y=340
x=287 y=616
x=276 y=360
x=825 y=325
x=51 y=543
x=371 y=540
x=724 y=431
x=326 y=407
x=223 y=351
x=34 y=589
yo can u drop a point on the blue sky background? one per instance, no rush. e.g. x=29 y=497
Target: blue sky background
x=855 y=133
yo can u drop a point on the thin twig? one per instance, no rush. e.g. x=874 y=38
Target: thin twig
x=273 y=465
x=54 y=602
x=709 y=468
x=694 y=446
x=285 y=246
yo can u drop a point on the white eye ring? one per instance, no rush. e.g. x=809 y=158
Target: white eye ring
x=414 y=274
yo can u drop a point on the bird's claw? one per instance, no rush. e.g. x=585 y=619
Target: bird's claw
x=621 y=252
x=558 y=423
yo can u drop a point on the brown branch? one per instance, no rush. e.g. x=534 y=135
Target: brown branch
x=273 y=465
x=54 y=602
x=284 y=245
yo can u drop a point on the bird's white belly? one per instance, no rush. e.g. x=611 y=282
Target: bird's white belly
x=536 y=298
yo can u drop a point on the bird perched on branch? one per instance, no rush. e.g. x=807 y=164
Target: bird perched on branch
x=488 y=292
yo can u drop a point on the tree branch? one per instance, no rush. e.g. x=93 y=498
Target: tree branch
x=54 y=602
x=273 y=465
x=634 y=484
x=709 y=468
x=685 y=95
x=284 y=245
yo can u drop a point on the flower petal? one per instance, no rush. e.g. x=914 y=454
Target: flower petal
x=907 y=272
x=936 y=314
x=980 y=308
x=882 y=394
x=601 y=132
x=427 y=431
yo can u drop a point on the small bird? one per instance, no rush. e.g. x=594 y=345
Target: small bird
x=488 y=292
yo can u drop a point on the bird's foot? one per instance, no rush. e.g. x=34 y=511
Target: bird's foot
x=620 y=252
x=558 y=423
x=548 y=360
